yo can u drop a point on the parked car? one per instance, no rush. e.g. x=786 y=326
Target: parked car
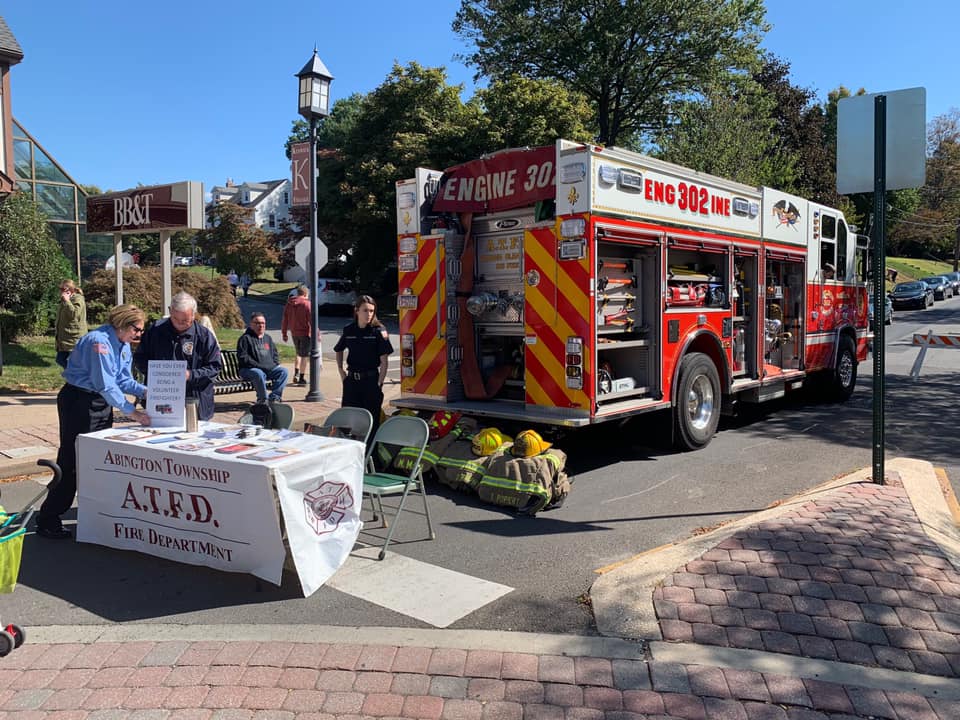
x=887 y=310
x=913 y=294
x=335 y=295
x=954 y=278
x=942 y=289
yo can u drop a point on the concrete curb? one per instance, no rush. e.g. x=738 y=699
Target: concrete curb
x=535 y=643
x=623 y=597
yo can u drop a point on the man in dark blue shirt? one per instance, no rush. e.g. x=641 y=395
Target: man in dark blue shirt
x=181 y=337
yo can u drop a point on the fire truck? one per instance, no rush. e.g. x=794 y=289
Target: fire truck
x=573 y=284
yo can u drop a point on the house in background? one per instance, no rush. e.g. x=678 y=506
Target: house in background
x=10 y=55
x=268 y=202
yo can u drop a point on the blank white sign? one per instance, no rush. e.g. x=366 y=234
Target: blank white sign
x=906 y=141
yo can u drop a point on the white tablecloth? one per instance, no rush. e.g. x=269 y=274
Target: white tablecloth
x=205 y=507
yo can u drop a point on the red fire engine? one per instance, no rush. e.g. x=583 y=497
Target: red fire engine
x=575 y=284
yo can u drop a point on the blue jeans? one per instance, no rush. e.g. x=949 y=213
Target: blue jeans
x=62 y=356
x=259 y=379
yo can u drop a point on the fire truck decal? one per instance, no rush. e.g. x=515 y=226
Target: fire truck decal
x=421 y=322
x=556 y=308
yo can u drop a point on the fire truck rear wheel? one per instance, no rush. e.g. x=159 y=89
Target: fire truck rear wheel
x=697 y=411
x=845 y=370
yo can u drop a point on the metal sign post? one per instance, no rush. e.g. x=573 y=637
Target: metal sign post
x=879 y=278
x=881 y=143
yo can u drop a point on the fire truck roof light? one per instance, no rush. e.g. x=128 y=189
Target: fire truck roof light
x=573 y=227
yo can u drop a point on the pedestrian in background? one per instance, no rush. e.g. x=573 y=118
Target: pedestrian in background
x=181 y=337
x=245 y=283
x=71 y=320
x=98 y=380
x=367 y=344
x=259 y=360
x=233 y=280
x=297 y=314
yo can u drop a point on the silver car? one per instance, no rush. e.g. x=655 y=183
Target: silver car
x=942 y=289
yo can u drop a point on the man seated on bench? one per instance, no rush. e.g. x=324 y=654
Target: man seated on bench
x=259 y=360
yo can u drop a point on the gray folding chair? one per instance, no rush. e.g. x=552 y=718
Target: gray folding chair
x=349 y=422
x=410 y=436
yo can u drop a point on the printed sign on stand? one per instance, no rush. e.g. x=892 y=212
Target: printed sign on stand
x=166 y=392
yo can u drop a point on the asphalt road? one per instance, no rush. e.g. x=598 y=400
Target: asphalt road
x=630 y=494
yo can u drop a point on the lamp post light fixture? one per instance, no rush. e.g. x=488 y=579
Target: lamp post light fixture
x=314 y=103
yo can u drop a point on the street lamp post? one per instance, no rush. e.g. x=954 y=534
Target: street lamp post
x=314 y=103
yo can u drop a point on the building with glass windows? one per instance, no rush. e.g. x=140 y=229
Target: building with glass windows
x=60 y=198
x=25 y=165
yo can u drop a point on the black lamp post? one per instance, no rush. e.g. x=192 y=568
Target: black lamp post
x=314 y=104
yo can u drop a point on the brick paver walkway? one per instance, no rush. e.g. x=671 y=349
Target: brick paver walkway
x=283 y=681
x=849 y=577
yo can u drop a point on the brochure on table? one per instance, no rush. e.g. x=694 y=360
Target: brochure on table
x=166 y=392
x=205 y=498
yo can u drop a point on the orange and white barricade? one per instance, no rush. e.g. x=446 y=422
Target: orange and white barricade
x=948 y=339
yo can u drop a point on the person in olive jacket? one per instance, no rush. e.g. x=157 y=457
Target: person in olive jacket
x=259 y=360
x=71 y=321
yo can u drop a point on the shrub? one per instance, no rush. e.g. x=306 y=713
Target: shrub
x=142 y=287
x=31 y=268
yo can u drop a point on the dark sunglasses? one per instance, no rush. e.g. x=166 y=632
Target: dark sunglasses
x=136 y=329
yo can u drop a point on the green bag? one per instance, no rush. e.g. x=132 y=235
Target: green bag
x=11 y=551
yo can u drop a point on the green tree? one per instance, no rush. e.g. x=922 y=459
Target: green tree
x=237 y=244
x=519 y=112
x=31 y=267
x=732 y=133
x=631 y=58
x=931 y=225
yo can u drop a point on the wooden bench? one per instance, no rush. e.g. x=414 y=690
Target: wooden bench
x=229 y=380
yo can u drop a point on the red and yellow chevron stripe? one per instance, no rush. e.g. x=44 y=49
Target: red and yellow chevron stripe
x=556 y=306
x=430 y=350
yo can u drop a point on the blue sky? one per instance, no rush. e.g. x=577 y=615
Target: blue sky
x=123 y=93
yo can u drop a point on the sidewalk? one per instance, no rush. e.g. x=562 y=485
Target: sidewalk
x=841 y=603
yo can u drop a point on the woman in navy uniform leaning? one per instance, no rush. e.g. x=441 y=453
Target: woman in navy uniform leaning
x=98 y=380
x=368 y=347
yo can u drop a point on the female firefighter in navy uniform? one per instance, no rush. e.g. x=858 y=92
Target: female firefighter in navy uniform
x=368 y=347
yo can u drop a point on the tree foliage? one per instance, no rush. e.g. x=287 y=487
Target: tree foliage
x=732 y=132
x=31 y=267
x=631 y=58
x=931 y=225
x=237 y=244
x=520 y=112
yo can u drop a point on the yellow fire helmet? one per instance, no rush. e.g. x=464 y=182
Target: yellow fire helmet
x=488 y=440
x=528 y=444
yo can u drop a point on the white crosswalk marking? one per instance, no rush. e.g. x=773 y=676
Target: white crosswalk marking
x=417 y=589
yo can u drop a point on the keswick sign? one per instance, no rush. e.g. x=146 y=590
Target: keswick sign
x=144 y=209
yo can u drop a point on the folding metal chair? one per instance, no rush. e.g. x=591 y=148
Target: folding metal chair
x=349 y=422
x=410 y=434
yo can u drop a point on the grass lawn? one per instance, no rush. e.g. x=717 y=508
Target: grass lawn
x=28 y=363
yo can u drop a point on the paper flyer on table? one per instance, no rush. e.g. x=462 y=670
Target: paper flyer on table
x=166 y=392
